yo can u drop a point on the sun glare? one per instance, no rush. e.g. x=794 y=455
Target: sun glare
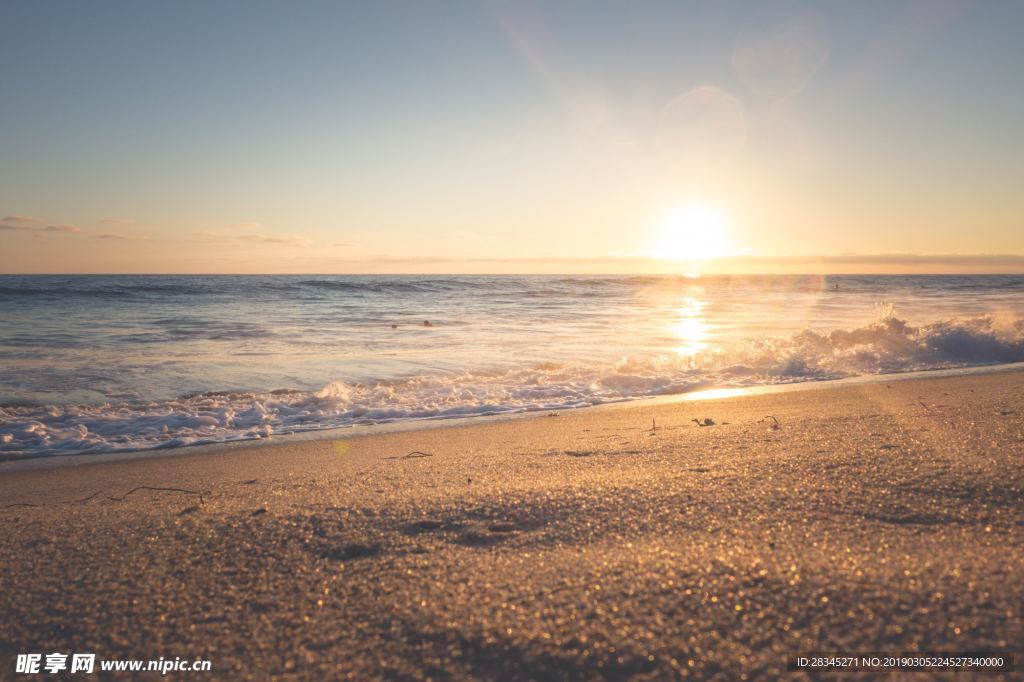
x=692 y=232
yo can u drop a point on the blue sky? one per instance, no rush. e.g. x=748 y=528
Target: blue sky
x=379 y=136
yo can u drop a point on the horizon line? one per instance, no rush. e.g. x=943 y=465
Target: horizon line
x=691 y=275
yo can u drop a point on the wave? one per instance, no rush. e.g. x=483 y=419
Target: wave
x=16 y=287
x=89 y=289
x=158 y=287
x=887 y=345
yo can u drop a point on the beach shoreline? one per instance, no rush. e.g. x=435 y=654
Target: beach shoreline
x=429 y=423
x=185 y=361
x=621 y=541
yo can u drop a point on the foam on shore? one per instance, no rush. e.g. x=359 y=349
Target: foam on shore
x=885 y=346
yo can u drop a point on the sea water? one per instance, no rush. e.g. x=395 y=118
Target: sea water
x=101 y=363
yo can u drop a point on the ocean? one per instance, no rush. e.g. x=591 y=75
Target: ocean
x=102 y=363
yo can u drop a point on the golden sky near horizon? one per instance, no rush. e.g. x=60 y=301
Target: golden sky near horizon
x=514 y=137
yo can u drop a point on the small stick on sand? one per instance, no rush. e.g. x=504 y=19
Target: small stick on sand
x=412 y=455
x=157 y=489
x=30 y=504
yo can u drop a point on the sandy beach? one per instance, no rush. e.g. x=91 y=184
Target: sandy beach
x=874 y=517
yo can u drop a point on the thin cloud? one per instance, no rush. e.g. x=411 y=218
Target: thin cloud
x=118 y=222
x=29 y=224
x=741 y=259
x=228 y=239
x=953 y=259
x=268 y=239
x=110 y=235
x=738 y=263
x=26 y=220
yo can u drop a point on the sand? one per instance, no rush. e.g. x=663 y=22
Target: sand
x=877 y=517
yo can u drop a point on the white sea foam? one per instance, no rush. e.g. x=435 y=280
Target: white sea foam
x=889 y=344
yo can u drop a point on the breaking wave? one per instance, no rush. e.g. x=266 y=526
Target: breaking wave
x=887 y=345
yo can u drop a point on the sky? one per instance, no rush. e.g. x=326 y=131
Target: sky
x=449 y=136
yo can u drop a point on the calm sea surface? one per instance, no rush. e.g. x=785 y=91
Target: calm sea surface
x=91 y=364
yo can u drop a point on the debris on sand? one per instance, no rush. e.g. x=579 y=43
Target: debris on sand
x=158 y=489
x=706 y=421
x=774 y=426
x=412 y=455
x=113 y=498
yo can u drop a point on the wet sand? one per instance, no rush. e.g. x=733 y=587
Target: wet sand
x=868 y=517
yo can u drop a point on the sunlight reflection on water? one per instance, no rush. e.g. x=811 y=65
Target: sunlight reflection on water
x=691 y=328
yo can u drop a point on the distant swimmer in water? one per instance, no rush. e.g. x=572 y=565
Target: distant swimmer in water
x=426 y=323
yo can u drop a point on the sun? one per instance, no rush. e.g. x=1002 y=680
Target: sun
x=692 y=232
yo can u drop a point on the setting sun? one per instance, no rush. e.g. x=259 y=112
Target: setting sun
x=692 y=232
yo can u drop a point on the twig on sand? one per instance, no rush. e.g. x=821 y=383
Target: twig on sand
x=706 y=421
x=99 y=492
x=32 y=504
x=412 y=455
x=157 y=489
x=654 y=427
x=774 y=426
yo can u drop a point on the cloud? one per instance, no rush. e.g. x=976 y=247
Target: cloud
x=110 y=235
x=294 y=240
x=747 y=263
x=25 y=220
x=220 y=237
x=945 y=259
x=29 y=224
x=118 y=222
x=763 y=259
